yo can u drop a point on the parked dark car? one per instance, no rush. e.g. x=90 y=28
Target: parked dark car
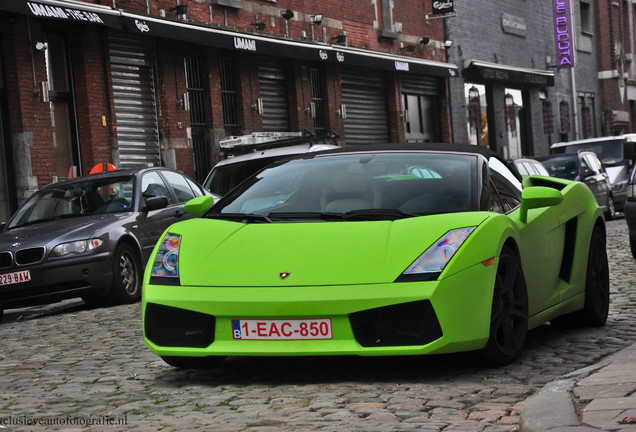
x=584 y=166
x=630 y=203
x=528 y=167
x=89 y=237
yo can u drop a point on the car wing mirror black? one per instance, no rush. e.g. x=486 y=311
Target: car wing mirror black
x=156 y=203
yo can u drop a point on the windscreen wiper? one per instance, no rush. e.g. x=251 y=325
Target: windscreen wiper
x=306 y=215
x=377 y=214
x=239 y=217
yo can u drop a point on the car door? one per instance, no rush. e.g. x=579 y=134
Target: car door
x=541 y=243
x=154 y=222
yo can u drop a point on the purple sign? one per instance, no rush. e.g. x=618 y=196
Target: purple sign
x=563 y=39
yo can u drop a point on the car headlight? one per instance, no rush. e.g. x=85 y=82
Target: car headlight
x=430 y=264
x=76 y=247
x=619 y=187
x=166 y=263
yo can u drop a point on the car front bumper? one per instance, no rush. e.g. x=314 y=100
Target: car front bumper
x=448 y=315
x=57 y=280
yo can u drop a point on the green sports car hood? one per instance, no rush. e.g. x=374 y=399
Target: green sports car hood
x=225 y=253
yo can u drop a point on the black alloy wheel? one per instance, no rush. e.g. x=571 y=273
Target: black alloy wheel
x=509 y=315
x=597 y=286
x=193 y=362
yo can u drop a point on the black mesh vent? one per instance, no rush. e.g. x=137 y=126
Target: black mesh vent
x=174 y=327
x=397 y=325
x=5 y=259
x=29 y=256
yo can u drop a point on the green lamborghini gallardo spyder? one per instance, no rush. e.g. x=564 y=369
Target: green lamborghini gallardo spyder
x=379 y=250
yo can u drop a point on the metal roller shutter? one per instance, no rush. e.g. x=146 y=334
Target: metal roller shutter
x=364 y=97
x=420 y=84
x=134 y=99
x=273 y=88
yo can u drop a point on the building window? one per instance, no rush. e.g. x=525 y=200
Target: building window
x=548 y=123
x=564 y=110
x=384 y=14
x=228 y=96
x=586 y=18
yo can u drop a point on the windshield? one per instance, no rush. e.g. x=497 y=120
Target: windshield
x=563 y=167
x=609 y=152
x=106 y=195
x=224 y=178
x=366 y=186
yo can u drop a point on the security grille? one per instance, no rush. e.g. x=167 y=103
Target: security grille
x=366 y=114
x=133 y=84
x=228 y=95
x=317 y=108
x=198 y=120
x=273 y=89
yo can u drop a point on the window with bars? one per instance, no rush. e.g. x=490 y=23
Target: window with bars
x=229 y=97
x=317 y=100
x=548 y=123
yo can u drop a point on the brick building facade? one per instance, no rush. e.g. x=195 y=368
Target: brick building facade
x=137 y=82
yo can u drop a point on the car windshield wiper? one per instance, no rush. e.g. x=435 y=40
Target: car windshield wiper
x=306 y=215
x=377 y=214
x=239 y=217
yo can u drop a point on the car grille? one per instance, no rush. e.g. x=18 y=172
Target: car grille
x=29 y=255
x=6 y=259
x=404 y=324
x=175 y=327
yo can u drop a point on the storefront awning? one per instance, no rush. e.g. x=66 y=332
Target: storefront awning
x=65 y=11
x=482 y=71
x=279 y=47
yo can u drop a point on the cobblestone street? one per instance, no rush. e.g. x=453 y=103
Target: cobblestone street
x=73 y=364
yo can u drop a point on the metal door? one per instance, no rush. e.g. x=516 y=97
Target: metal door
x=421 y=113
x=365 y=112
x=135 y=103
x=273 y=89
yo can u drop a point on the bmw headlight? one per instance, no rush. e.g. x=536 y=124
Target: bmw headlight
x=430 y=264
x=166 y=263
x=76 y=247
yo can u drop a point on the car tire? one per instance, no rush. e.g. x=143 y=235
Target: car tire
x=596 y=307
x=509 y=314
x=597 y=286
x=610 y=213
x=126 y=286
x=632 y=246
x=193 y=362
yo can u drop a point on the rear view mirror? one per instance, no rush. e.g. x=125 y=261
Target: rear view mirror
x=156 y=203
x=199 y=205
x=537 y=197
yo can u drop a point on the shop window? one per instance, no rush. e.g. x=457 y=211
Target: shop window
x=476 y=114
x=513 y=104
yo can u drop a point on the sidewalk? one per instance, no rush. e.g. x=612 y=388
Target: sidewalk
x=606 y=392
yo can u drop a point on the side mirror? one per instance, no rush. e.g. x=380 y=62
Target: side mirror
x=156 y=203
x=537 y=197
x=199 y=205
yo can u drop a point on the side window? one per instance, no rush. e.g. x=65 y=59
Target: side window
x=585 y=166
x=506 y=184
x=198 y=191
x=493 y=203
x=181 y=188
x=152 y=185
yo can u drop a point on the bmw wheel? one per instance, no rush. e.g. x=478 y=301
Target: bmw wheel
x=126 y=275
x=509 y=316
x=193 y=362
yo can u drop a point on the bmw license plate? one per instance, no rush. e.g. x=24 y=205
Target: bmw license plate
x=15 y=277
x=281 y=329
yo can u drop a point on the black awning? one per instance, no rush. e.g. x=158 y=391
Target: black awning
x=481 y=71
x=279 y=47
x=65 y=11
